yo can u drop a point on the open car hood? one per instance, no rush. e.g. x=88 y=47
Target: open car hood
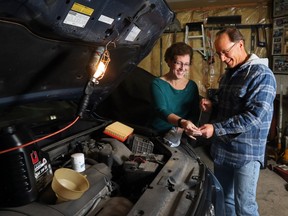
x=47 y=45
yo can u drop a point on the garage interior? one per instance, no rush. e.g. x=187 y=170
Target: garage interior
x=264 y=25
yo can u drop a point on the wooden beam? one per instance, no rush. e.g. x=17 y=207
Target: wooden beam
x=190 y=6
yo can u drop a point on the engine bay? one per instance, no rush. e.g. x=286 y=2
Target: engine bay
x=114 y=169
x=139 y=175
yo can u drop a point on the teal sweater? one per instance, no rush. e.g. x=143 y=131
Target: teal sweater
x=167 y=100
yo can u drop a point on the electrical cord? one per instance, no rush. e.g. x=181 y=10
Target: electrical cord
x=42 y=138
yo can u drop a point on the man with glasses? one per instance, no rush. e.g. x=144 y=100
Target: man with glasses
x=176 y=98
x=244 y=109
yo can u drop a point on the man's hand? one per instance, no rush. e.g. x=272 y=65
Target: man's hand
x=205 y=105
x=207 y=130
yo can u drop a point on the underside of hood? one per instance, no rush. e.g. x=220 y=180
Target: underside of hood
x=46 y=45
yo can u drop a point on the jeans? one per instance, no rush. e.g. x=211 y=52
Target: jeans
x=239 y=185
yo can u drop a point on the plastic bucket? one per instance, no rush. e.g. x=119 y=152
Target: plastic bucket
x=69 y=184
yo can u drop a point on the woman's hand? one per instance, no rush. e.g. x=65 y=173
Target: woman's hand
x=190 y=129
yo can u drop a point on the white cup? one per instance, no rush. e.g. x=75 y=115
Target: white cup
x=78 y=162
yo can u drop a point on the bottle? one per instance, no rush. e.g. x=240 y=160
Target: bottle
x=24 y=171
x=212 y=77
x=212 y=83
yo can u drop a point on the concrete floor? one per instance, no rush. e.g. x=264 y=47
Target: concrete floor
x=272 y=191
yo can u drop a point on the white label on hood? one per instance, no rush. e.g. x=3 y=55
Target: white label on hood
x=76 y=19
x=133 y=34
x=106 y=19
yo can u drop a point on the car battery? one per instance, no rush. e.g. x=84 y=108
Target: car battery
x=141 y=165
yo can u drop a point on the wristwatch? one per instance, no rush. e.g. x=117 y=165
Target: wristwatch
x=179 y=122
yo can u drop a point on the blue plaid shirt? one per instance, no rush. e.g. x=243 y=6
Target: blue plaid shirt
x=245 y=109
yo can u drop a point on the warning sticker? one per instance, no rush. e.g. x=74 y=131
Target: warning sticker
x=82 y=9
x=133 y=34
x=76 y=19
x=79 y=15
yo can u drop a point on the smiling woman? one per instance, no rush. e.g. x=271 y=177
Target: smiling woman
x=176 y=98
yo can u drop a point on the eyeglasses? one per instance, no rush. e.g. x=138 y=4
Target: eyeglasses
x=226 y=52
x=178 y=63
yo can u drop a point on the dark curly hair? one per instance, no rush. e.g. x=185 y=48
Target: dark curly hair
x=178 y=48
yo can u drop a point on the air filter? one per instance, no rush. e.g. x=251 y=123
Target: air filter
x=118 y=131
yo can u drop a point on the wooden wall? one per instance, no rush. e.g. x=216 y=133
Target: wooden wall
x=252 y=16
